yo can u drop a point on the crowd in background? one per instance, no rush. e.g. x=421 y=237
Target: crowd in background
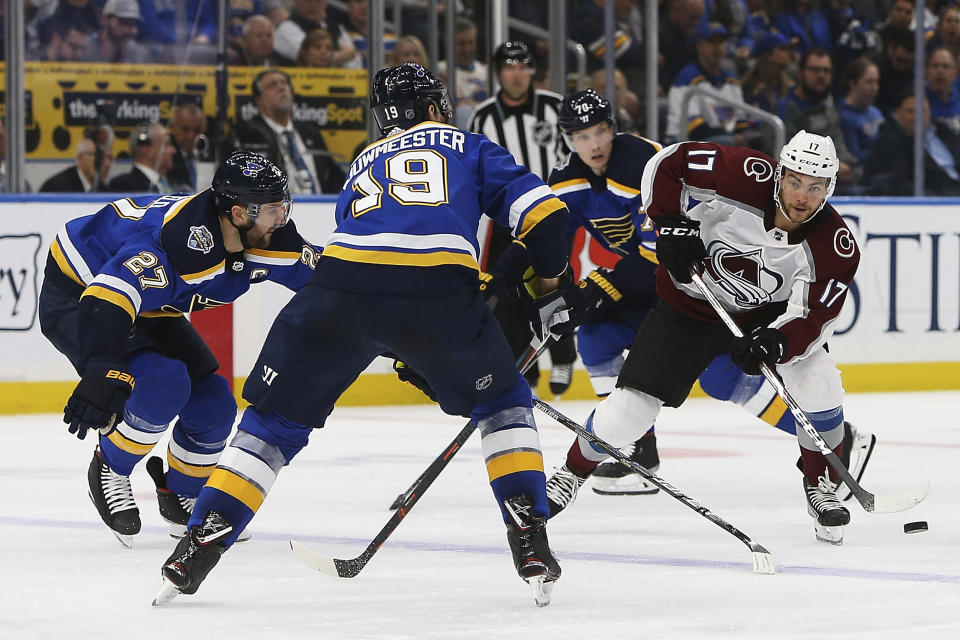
x=842 y=68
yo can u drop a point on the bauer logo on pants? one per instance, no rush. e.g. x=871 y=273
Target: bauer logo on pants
x=18 y=281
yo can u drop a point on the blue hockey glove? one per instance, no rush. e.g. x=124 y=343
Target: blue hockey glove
x=763 y=345
x=679 y=246
x=98 y=400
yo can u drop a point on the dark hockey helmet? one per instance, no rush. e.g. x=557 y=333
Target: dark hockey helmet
x=513 y=52
x=583 y=109
x=250 y=180
x=400 y=96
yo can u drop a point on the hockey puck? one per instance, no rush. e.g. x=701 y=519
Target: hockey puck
x=915 y=527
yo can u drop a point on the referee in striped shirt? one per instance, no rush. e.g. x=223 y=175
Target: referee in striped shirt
x=523 y=120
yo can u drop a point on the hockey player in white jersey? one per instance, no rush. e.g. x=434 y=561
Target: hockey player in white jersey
x=779 y=258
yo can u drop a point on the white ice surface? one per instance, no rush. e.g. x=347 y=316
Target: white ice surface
x=633 y=567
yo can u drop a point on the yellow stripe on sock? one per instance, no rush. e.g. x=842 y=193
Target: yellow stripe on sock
x=128 y=445
x=774 y=411
x=191 y=470
x=236 y=487
x=513 y=463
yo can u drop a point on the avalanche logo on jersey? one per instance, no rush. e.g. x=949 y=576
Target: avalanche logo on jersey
x=200 y=239
x=742 y=275
x=758 y=168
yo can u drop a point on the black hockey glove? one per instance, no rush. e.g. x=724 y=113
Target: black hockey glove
x=679 y=246
x=598 y=293
x=97 y=401
x=494 y=289
x=556 y=312
x=411 y=377
x=763 y=345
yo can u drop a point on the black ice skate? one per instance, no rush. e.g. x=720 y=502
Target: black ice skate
x=562 y=488
x=527 y=535
x=174 y=509
x=823 y=505
x=561 y=375
x=857 y=449
x=112 y=495
x=195 y=556
x=614 y=479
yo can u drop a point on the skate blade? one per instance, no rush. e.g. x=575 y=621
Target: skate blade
x=830 y=535
x=125 y=539
x=542 y=589
x=167 y=593
x=178 y=532
x=629 y=485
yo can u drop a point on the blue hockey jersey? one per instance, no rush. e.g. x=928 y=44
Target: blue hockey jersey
x=165 y=256
x=408 y=214
x=609 y=207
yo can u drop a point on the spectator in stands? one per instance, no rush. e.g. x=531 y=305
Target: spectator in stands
x=354 y=29
x=802 y=20
x=708 y=119
x=256 y=45
x=472 y=75
x=587 y=27
x=943 y=90
x=83 y=175
x=767 y=82
x=187 y=127
x=68 y=43
x=316 y=50
x=758 y=26
x=306 y=16
x=169 y=23
x=889 y=168
x=628 y=112
x=289 y=144
x=948 y=31
x=852 y=34
x=152 y=155
x=899 y=17
x=677 y=39
x=860 y=119
x=115 y=42
x=896 y=68
x=53 y=16
x=239 y=11
x=410 y=49
x=809 y=106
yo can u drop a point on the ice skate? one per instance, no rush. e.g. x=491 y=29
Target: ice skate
x=112 y=495
x=195 y=556
x=857 y=449
x=614 y=479
x=823 y=505
x=562 y=489
x=561 y=375
x=527 y=535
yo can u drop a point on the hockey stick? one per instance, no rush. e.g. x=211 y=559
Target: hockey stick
x=763 y=561
x=871 y=503
x=351 y=567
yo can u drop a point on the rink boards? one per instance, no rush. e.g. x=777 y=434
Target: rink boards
x=898 y=329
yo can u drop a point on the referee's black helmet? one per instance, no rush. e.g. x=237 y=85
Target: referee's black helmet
x=400 y=96
x=513 y=52
x=583 y=109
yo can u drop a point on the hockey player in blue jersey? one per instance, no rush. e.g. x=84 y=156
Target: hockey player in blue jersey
x=117 y=285
x=399 y=275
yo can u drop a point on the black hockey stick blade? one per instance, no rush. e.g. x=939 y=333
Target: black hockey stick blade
x=871 y=503
x=350 y=568
x=763 y=560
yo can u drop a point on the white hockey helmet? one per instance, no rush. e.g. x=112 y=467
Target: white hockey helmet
x=812 y=155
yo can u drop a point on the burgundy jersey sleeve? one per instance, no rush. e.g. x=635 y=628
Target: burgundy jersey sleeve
x=814 y=305
x=704 y=171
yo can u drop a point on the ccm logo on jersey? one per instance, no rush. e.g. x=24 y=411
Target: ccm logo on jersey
x=843 y=243
x=759 y=168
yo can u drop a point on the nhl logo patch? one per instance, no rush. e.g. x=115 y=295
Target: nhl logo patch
x=543 y=133
x=200 y=239
x=484 y=382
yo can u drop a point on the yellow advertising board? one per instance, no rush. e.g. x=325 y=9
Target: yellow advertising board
x=63 y=99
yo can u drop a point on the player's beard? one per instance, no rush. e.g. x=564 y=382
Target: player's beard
x=261 y=241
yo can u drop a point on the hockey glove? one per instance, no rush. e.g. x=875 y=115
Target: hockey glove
x=411 y=377
x=97 y=401
x=764 y=345
x=494 y=289
x=679 y=246
x=555 y=312
x=598 y=293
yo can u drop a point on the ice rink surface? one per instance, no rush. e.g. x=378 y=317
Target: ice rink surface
x=632 y=566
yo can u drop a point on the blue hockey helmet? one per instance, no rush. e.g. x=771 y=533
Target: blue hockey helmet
x=250 y=180
x=400 y=96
